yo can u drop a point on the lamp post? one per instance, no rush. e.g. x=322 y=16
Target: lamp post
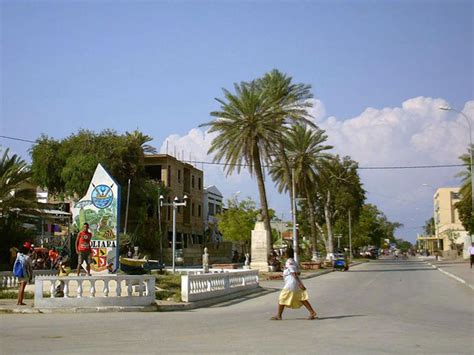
x=175 y=204
x=468 y=120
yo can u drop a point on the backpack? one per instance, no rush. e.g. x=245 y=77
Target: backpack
x=19 y=266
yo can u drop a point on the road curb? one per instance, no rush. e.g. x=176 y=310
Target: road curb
x=457 y=278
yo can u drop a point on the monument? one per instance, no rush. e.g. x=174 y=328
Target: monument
x=100 y=207
x=260 y=246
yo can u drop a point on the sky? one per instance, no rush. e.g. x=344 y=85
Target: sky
x=379 y=71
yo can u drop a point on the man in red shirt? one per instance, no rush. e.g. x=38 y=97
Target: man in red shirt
x=83 y=248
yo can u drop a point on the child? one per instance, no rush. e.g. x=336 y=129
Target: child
x=23 y=258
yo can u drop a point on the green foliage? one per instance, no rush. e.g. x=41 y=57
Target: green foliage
x=429 y=227
x=403 y=245
x=169 y=287
x=251 y=122
x=66 y=167
x=464 y=206
x=237 y=222
x=372 y=228
x=16 y=195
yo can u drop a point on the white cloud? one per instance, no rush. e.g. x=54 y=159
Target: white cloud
x=416 y=133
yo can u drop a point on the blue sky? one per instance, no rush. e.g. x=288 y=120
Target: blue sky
x=157 y=66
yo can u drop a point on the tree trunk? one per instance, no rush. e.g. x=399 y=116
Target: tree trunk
x=327 y=216
x=263 y=195
x=312 y=219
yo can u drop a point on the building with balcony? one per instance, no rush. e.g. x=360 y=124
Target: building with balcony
x=449 y=231
x=180 y=179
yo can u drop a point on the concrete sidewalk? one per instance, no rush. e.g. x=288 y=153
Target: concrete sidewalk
x=456 y=269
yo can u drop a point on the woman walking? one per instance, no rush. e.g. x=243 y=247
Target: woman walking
x=293 y=294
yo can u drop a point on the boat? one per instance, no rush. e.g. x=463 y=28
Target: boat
x=129 y=265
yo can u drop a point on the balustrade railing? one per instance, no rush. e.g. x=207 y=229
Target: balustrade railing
x=195 y=287
x=8 y=280
x=95 y=291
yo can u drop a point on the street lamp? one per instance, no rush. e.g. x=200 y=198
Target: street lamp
x=468 y=120
x=175 y=204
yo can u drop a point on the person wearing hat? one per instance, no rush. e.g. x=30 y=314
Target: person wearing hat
x=24 y=254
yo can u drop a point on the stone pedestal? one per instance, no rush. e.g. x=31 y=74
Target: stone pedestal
x=260 y=247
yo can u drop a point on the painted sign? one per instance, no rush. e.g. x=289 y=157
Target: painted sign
x=100 y=207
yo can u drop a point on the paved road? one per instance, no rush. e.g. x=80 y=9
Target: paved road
x=380 y=307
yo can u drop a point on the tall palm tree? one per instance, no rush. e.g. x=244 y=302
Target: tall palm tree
x=306 y=151
x=247 y=132
x=15 y=190
x=294 y=101
x=464 y=206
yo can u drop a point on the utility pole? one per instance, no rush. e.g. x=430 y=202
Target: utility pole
x=350 y=238
x=293 y=210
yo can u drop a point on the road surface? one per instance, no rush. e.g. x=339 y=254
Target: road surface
x=386 y=306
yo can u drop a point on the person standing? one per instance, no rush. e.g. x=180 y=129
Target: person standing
x=293 y=294
x=24 y=269
x=83 y=248
x=471 y=253
x=53 y=256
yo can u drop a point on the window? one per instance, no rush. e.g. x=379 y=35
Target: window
x=218 y=209
x=199 y=210
x=192 y=210
x=199 y=184
x=179 y=176
x=211 y=209
x=192 y=181
x=169 y=176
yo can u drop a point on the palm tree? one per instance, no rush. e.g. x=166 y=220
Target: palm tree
x=15 y=189
x=305 y=150
x=247 y=133
x=464 y=206
x=293 y=101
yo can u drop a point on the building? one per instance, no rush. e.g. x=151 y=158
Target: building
x=212 y=202
x=449 y=232
x=180 y=179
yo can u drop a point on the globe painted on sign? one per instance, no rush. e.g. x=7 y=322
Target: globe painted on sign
x=102 y=196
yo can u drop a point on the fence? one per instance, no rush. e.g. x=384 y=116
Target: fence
x=8 y=280
x=195 y=287
x=95 y=291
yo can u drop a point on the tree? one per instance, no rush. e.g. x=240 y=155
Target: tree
x=247 y=132
x=338 y=190
x=16 y=191
x=464 y=206
x=305 y=149
x=17 y=195
x=66 y=167
x=372 y=228
x=237 y=222
x=429 y=227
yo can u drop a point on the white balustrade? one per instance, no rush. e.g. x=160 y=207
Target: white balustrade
x=195 y=287
x=8 y=280
x=95 y=291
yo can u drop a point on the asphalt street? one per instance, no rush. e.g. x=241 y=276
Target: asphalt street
x=387 y=306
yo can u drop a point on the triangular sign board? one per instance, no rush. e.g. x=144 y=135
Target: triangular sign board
x=100 y=207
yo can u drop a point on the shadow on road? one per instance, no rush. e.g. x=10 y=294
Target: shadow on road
x=390 y=270
x=332 y=317
x=263 y=292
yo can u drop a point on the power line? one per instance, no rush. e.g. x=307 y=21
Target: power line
x=270 y=166
x=17 y=139
x=360 y=168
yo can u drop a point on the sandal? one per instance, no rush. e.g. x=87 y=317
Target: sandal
x=275 y=318
x=313 y=316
